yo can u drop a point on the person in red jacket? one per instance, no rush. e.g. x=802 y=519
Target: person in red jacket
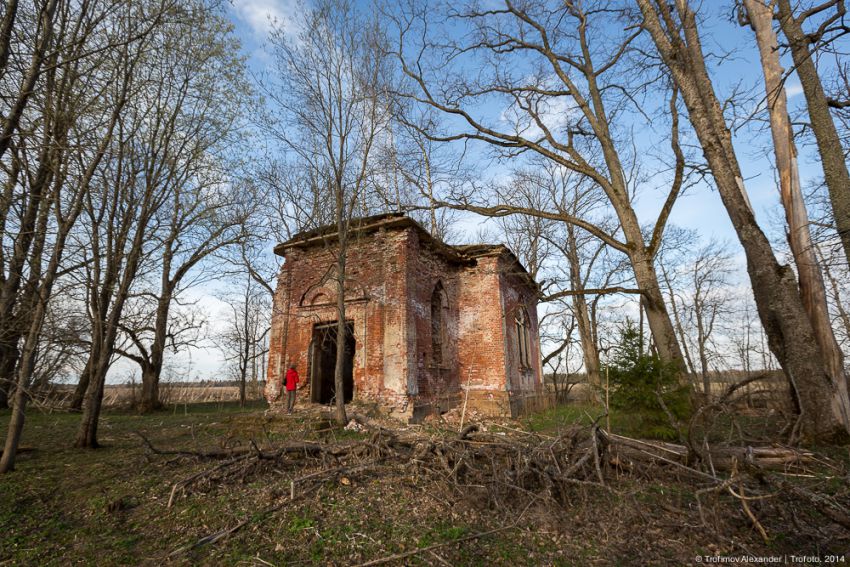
x=291 y=385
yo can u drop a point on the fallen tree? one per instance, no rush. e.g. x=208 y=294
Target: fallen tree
x=513 y=472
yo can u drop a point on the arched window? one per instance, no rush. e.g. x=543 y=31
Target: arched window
x=439 y=306
x=523 y=337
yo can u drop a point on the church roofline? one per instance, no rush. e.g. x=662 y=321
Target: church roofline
x=461 y=254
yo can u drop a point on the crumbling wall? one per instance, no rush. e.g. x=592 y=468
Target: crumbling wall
x=435 y=381
x=481 y=338
x=524 y=381
x=391 y=276
x=306 y=296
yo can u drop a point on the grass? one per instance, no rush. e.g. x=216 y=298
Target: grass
x=108 y=506
x=722 y=428
x=559 y=417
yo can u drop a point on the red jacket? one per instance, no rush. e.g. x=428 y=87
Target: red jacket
x=291 y=379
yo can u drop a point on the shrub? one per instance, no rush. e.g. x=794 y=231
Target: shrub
x=639 y=378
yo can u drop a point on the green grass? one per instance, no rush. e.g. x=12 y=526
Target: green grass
x=560 y=417
x=108 y=506
x=718 y=428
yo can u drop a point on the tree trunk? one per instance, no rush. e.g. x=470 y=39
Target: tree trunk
x=28 y=354
x=812 y=287
x=104 y=331
x=6 y=33
x=8 y=361
x=242 y=381
x=642 y=259
x=831 y=152
x=660 y=325
x=339 y=377
x=589 y=350
x=80 y=391
x=149 y=400
x=152 y=370
x=780 y=308
x=703 y=356
x=87 y=433
x=16 y=422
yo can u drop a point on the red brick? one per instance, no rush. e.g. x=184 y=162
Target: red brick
x=392 y=269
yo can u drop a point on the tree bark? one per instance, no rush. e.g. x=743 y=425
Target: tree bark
x=80 y=391
x=16 y=423
x=92 y=403
x=339 y=377
x=8 y=362
x=835 y=171
x=777 y=297
x=590 y=353
x=812 y=288
x=152 y=369
x=149 y=400
x=6 y=27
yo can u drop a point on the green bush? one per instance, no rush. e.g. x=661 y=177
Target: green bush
x=637 y=379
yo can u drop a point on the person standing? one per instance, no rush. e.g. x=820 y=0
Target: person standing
x=292 y=380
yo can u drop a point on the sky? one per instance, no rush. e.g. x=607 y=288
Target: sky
x=700 y=208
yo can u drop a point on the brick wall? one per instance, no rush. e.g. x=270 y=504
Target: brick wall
x=391 y=278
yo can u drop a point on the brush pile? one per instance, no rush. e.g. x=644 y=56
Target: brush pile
x=511 y=471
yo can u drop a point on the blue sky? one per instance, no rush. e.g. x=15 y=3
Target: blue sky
x=700 y=209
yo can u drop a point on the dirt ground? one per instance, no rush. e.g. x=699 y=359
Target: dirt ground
x=250 y=487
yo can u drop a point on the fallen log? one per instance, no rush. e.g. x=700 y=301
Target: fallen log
x=722 y=457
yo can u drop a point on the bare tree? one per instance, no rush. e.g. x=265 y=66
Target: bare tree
x=812 y=288
x=699 y=291
x=803 y=46
x=207 y=205
x=674 y=33
x=417 y=170
x=550 y=242
x=77 y=116
x=244 y=340
x=569 y=105
x=327 y=91
x=48 y=49
x=154 y=167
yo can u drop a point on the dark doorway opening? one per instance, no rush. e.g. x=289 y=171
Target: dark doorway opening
x=323 y=363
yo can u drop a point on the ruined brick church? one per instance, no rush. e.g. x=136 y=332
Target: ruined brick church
x=429 y=326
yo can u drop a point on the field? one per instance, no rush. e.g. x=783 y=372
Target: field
x=330 y=496
x=171 y=393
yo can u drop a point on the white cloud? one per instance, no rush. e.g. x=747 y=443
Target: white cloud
x=262 y=15
x=792 y=90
